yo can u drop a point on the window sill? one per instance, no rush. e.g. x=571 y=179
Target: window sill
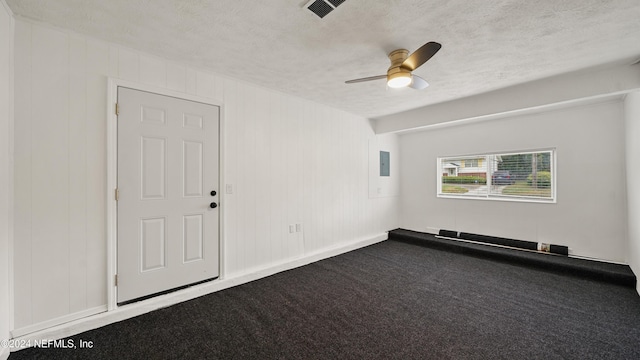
x=509 y=198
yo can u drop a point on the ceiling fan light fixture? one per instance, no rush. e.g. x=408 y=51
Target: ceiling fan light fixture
x=402 y=65
x=399 y=80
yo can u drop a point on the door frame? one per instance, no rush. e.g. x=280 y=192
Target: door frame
x=112 y=174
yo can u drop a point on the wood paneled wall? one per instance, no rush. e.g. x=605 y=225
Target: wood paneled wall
x=289 y=161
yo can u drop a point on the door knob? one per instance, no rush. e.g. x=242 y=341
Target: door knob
x=213 y=205
x=213 y=193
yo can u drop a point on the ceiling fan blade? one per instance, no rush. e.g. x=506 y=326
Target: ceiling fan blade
x=418 y=83
x=420 y=56
x=378 y=77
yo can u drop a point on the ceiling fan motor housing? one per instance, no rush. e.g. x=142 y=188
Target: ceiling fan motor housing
x=397 y=57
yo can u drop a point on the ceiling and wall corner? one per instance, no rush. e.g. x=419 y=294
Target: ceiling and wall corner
x=279 y=44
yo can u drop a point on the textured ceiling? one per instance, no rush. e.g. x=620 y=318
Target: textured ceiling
x=281 y=45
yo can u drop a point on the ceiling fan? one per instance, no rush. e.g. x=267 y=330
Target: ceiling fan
x=402 y=64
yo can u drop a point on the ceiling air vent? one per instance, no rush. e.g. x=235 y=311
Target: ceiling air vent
x=335 y=3
x=323 y=7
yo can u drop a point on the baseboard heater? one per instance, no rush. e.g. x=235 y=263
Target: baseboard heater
x=556 y=262
x=520 y=244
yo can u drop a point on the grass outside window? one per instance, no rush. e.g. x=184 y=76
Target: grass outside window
x=521 y=188
x=452 y=189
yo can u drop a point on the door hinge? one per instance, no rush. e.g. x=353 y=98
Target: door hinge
x=117 y=194
x=117 y=109
x=115 y=281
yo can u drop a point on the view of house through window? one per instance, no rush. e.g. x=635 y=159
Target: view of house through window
x=509 y=176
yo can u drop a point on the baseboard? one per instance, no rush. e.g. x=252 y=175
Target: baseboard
x=57 y=321
x=131 y=310
x=264 y=271
x=4 y=353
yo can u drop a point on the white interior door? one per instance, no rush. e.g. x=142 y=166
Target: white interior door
x=168 y=166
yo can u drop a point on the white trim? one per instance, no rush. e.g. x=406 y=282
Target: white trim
x=112 y=181
x=223 y=194
x=17 y=333
x=10 y=190
x=596 y=259
x=4 y=353
x=524 y=111
x=142 y=307
x=506 y=198
x=112 y=173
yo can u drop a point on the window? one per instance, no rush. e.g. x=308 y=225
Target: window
x=471 y=163
x=517 y=176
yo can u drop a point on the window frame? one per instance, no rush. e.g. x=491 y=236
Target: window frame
x=498 y=197
x=473 y=163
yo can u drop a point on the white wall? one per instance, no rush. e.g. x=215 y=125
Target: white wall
x=6 y=128
x=632 y=132
x=590 y=213
x=289 y=161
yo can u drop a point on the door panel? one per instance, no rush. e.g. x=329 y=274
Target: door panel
x=153 y=244
x=192 y=237
x=168 y=164
x=192 y=170
x=154 y=168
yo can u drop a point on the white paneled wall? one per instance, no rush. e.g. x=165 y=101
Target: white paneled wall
x=289 y=161
x=60 y=176
x=6 y=129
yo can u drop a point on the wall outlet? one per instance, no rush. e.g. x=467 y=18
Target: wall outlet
x=292 y=228
x=229 y=189
x=298 y=227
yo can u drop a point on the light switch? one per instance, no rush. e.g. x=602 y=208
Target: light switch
x=229 y=189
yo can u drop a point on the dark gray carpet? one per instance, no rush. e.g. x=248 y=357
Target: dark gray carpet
x=392 y=300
